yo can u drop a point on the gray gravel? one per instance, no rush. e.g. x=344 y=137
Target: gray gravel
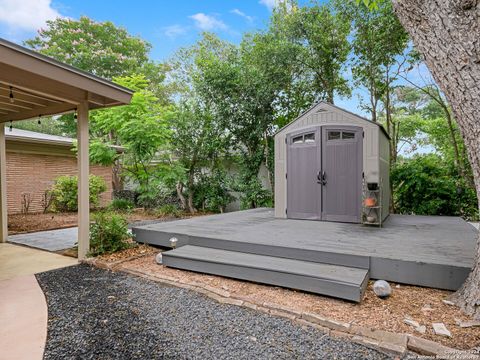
x=97 y=314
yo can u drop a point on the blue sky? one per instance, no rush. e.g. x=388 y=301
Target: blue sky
x=166 y=24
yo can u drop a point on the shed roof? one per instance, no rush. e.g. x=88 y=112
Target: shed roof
x=324 y=104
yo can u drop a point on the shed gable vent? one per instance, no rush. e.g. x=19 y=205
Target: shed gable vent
x=321 y=110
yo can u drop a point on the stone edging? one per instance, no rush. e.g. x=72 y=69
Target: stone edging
x=112 y=265
x=389 y=342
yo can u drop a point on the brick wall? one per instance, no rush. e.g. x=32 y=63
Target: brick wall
x=35 y=173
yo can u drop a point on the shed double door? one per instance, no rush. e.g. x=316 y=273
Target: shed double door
x=324 y=173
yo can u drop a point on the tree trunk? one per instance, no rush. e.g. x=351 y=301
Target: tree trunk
x=447 y=33
x=183 y=202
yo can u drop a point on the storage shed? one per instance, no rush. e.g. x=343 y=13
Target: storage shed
x=330 y=164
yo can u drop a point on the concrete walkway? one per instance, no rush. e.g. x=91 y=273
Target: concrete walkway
x=23 y=315
x=23 y=309
x=18 y=260
x=51 y=240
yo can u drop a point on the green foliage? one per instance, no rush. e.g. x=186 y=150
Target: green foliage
x=65 y=192
x=425 y=185
x=108 y=233
x=142 y=129
x=48 y=125
x=168 y=210
x=212 y=192
x=124 y=205
x=317 y=37
x=254 y=195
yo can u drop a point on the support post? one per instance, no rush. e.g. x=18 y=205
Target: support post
x=3 y=186
x=83 y=175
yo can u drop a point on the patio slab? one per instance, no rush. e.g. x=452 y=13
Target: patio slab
x=23 y=315
x=16 y=260
x=51 y=240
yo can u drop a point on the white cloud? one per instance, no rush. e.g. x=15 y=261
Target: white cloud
x=242 y=14
x=207 y=22
x=270 y=4
x=174 y=31
x=26 y=14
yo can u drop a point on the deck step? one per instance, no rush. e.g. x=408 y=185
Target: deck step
x=332 y=280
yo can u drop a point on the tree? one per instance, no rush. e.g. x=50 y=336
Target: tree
x=97 y=47
x=318 y=40
x=446 y=33
x=197 y=141
x=379 y=43
x=141 y=128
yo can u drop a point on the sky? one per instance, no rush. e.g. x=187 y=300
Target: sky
x=166 y=24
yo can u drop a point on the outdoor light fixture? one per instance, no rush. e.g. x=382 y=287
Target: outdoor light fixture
x=173 y=242
x=11 y=126
x=75 y=114
x=11 y=95
x=39 y=121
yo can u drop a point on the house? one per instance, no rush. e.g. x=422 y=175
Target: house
x=328 y=160
x=35 y=160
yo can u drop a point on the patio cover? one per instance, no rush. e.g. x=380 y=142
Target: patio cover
x=33 y=85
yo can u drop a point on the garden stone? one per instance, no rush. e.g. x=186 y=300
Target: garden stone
x=411 y=322
x=159 y=259
x=382 y=289
x=422 y=329
x=441 y=329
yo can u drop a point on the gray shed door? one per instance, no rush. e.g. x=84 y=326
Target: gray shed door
x=342 y=173
x=303 y=164
x=324 y=173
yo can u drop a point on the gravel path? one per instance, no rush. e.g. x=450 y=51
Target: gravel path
x=96 y=314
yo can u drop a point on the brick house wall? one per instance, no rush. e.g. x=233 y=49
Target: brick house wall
x=33 y=170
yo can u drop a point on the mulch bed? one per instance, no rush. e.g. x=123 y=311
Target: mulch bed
x=388 y=314
x=20 y=223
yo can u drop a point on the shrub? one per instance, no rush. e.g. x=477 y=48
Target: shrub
x=108 y=233
x=121 y=205
x=254 y=195
x=168 y=210
x=426 y=185
x=65 y=192
x=212 y=192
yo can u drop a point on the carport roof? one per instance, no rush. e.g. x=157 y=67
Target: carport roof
x=42 y=86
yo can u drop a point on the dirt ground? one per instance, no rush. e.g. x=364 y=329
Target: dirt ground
x=423 y=305
x=20 y=223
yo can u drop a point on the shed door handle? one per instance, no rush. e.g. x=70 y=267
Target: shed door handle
x=319 y=177
x=324 y=178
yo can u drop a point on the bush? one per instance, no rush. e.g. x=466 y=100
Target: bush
x=168 y=210
x=212 y=192
x=108 y=233
x=121 y=205
x=254 y=195
x=65 y=192
x=426 y=185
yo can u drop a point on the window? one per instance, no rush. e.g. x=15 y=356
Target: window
x=347 y=135
x=340 y=135
x=334 y=135
x=309 y=138
x=297 y=139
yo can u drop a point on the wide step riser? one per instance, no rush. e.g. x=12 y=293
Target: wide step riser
x=323 y=257
x=320 y=286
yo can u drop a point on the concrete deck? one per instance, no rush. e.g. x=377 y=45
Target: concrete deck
x=51 y=240
x=16 y=260
x=429 y=251
x=23 y=315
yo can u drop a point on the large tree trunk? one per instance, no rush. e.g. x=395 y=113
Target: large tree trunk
x=447 y=33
